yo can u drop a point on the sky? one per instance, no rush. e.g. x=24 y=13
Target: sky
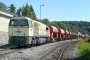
x=57 y=10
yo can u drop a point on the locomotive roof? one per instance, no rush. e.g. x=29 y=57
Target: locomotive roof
x=22 y=17
x=38 y=22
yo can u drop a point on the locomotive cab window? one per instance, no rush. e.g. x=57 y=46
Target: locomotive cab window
x=18 y=22
x=30 y=22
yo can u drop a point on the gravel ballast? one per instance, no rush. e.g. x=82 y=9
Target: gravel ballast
x=3 y=38
x=71 y=53
x=33 y=53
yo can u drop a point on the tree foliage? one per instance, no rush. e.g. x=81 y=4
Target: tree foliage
x=45 y=21
x=28 y=11
x=3 y=6
x=12 y=8
x=73 y=26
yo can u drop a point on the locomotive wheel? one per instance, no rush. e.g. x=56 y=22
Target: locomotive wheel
x=18 y=46
x=46 y=40
x=37 y=41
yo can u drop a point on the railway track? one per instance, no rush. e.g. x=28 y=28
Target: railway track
x=62 y=52
x=4 y=52
x=60 y=47
x=51 y=54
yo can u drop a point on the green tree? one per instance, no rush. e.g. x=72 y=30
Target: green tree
x=63 y=26
x=45 y=21
x=33 y=13
x=3 y=6
x=28 y=11
x=12 y=8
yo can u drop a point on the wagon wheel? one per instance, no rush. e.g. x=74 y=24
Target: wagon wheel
x=52 y=40
x=46 y=40
x=32 y=41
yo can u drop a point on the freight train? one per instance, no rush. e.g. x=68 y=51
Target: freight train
x=24 y=31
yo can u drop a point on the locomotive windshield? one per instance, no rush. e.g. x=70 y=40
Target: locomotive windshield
x=18 y=22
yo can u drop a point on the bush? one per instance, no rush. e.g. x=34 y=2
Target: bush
x=88 y=40
x=84 y=49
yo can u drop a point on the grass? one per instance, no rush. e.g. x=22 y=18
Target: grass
x=84 y=49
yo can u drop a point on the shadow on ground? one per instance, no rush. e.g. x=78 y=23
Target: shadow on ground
x=5 y=46
x=8 y=46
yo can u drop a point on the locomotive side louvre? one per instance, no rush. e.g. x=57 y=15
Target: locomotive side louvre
x=39 y=28
x=40 y=32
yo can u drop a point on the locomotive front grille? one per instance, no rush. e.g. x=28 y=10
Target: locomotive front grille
x=19 y=40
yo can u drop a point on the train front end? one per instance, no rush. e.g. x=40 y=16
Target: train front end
x=18 y=31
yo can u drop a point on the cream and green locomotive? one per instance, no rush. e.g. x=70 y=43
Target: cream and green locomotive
x=24 y=31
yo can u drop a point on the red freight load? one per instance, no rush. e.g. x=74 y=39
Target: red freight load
x=76 y=35
x=73 y=35
x=61 y=33
x=53 y=32
x=69 y=35
x=66 y=34
x=83 y=36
